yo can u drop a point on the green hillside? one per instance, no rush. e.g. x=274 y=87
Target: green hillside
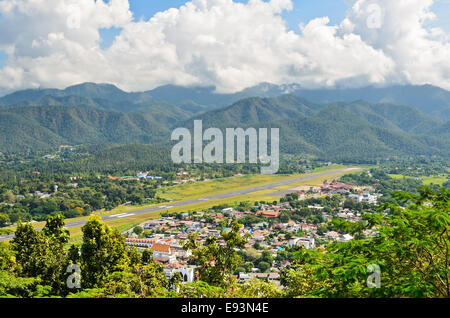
x=91 y=114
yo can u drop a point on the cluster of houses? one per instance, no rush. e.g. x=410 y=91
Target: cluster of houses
x=362 y=194
x=165 y=236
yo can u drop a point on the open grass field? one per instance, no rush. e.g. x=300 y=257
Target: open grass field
x=426 y=180
x=319 y=180
x=200 y=189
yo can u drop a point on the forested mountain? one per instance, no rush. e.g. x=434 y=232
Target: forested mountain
x=44 y=127
x=431 y=100
x=89 y=114
x=337 y=131
x=259 y=110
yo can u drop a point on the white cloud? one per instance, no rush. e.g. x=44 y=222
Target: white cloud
x=54 y=43
x=421 y=54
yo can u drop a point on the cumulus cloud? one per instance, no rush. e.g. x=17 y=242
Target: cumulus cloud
x=222 y=43
x=421 y=54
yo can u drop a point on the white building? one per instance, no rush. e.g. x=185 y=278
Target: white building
x=306 y=242
x=345 y=238
x=187 y=273
x=366 y=197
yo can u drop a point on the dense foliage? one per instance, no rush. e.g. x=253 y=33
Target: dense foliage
x=409 y=253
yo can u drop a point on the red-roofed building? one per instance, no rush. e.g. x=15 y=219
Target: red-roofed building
x=163 y=251
x=268 y=214
x=142 y=243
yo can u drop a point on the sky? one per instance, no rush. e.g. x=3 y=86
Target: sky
x=141 y=44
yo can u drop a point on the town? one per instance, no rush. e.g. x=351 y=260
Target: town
x=308 y=218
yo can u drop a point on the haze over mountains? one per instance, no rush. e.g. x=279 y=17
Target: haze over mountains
x=342 y=124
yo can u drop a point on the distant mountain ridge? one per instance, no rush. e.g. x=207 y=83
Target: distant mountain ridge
x=89 y=114
x=337 y=130
x=431 y=100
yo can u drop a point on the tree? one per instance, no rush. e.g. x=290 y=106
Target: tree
x=217 y=262
x=284 y=217
x=263 y=266
x=138 y=230
x=9 y=197
x=4 y=219
x=266 y=256
x=411 y=251
x=54 y=229
x=103 y=252
x=137 y=281
x=42 y=254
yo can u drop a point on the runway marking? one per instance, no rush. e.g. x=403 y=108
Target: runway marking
x=126 y=215
x=121 y=215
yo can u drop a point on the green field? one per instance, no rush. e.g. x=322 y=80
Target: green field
x=189 y=191
x=427 y=180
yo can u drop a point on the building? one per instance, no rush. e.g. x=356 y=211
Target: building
x=268 y=214
x=270 y=277
x=227 y=211
x=140 y=243
x=163 y=253
x=335 y=186
x=187 y=273
x=366 y=197
x=306 y=242
x=345 y=238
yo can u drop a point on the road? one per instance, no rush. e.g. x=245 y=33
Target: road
x=204 y=199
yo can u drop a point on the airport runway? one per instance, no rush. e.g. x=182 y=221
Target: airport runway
x=193 y=201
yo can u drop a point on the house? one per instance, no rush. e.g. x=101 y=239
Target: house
x=271 y=277
x=335 y=186
x=140 y=243
x=306 y=242
x=366 y=197
x=268 y=214
x=345 y=238
x=163 y=253
x=142 y=175
x=227 y=211
x=332 y=235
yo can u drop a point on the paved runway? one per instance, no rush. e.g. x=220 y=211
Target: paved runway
x=193 y=201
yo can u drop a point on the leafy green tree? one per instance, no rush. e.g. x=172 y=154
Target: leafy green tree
x=217 y=262
x=4 y=219
x=138 y=230
x=263 y=266
x=42 y=254
x=410 y=249
x=256 y=288
x=103 y=252
x=137 y=281
x=284 y=217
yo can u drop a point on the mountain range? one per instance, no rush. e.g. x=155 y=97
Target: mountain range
x=342 y=124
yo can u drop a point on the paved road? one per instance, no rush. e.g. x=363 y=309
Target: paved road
x=193 y=201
